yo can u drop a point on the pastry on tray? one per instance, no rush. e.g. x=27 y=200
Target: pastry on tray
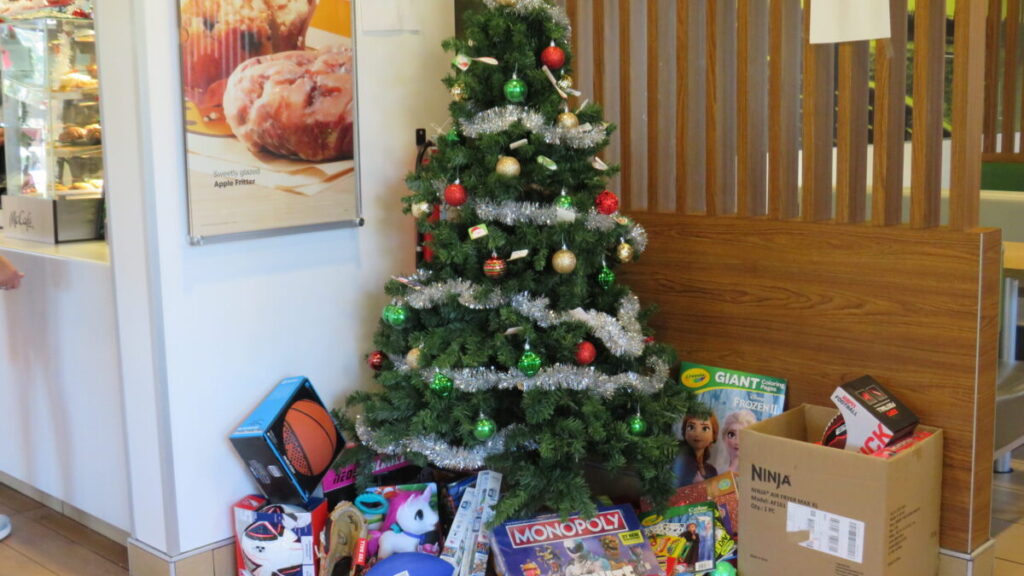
x=296 y=104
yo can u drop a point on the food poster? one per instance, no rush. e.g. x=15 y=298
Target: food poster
x=270 y=118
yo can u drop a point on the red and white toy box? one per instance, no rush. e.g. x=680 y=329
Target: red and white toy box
x=278 y=539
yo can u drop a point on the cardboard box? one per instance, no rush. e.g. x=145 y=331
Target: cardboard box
x=288 y=442
x=810 y=509
x=275 y=539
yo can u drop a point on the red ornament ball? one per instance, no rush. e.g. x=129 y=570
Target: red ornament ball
x=376 y=360
x=607 y=203
x=495 y=267
x=585 y=353
x=553 y=57
x=455 y=194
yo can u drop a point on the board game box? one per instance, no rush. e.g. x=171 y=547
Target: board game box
x=609 y=544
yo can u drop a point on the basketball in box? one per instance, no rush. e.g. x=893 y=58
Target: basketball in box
x=277 y=539
x=288 y=442
x=812 y=509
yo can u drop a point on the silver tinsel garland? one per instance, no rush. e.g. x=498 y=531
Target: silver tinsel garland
x=437 y=450
x=512 y=213
x=499 y=119
x=621 y=334
x=557 y=377
x=524 y=7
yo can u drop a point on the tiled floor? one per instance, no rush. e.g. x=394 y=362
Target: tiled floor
x=1008 y=519
x=45 y=543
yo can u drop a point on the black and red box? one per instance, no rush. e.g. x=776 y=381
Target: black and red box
x=874 y=418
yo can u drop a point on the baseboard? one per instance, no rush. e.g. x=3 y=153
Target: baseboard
x=217 y=559
x=77 y=514
x=981 y=562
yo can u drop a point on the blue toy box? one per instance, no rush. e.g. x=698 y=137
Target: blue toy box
x=288 y=442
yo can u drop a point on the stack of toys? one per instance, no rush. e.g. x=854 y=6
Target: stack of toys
x=288 y=443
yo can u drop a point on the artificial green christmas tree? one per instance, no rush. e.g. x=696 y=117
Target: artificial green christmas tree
x=513 y=347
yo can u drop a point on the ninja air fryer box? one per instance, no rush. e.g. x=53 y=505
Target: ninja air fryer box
x=811 y=509
x=288 y=442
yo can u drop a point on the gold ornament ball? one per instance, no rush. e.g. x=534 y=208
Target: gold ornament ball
x=624 y=252
x=568 y=120
x=414 y=358
x=564 y=261
x=458 y=92
x=565 y=82
x=421 y=209
x=508 y=2
x=507 y=166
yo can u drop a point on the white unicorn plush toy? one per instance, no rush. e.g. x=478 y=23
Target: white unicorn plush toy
x=408 y=524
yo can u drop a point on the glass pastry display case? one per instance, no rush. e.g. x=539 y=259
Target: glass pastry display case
x=53 y=149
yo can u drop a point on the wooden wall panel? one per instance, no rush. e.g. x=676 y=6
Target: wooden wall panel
x=818 y=125
x=1010 y=75
x=890 y=121
x=929 y=71
x=752 y=108
x=852 y=133
x=992 y=75
x=784 y=109
x=819 y=304
x=968 y=106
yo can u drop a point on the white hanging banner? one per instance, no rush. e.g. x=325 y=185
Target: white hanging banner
x=849 y=20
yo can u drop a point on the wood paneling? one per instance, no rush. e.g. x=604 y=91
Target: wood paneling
x=1010 y=75
x=926 y=162
x=890 y=120
x=992 y=75
x=968 y=106
x=819 y=304
x=682 y=134
x=625 y=82
x=784 y=109
x=653 y=117
x=818 y=125
x=852 y=133
x=752 y=108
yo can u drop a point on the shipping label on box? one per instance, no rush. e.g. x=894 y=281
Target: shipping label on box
x=811 y=509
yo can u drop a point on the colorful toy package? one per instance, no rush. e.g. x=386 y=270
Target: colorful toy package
x=277 y=538
x=400 y=519
x=737 y=400
x=609 y=544
x=684 y=538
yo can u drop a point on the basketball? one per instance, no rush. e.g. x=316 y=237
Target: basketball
x=310 y=438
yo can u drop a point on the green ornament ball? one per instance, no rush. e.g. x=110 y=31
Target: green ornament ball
x=606 y=278
x=452 y=135
x=563 y=202
x=441 y=384
x=485 y=428
x=515 y=90
x=724 y=569
x=529 y=363
x=637 y=425
x=394 y=315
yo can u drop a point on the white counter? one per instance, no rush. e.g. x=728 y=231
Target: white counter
x=61 y=409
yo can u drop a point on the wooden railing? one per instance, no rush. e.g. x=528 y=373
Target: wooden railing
x=745 y=153
x=724 y=109
x=1004 y=82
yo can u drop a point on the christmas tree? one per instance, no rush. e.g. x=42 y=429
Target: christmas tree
x=513 y=347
